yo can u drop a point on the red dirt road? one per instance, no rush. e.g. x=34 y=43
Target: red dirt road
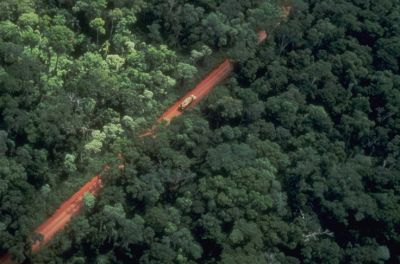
x=73 y=205
x=200 y=90
x=65 y=212
x=55 y=223
x=206 y=85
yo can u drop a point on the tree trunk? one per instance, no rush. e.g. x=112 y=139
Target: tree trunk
x=55 y=69
x=111 y=29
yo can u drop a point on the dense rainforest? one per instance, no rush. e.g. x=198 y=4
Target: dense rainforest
x=295 y=158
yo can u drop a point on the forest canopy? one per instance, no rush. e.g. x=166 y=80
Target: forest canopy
x=295 y=158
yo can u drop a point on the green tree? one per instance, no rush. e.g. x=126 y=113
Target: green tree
x=98 y=25
x=62 y=40
x=185 y=71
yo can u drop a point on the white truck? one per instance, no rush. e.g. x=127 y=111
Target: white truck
x=186 y=102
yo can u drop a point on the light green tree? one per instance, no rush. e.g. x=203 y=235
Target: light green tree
x=97 y=24
x=69 y=163
x=89 y=200
x=185 y=71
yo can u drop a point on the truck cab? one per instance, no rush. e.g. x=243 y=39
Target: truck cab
x=186 y=102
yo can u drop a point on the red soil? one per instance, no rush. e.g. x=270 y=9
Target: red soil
x=201 y=90
x=6 y=259
x=73 y=205
x=208 y=83
x=65 y=212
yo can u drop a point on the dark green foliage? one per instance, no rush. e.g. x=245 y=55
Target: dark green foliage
x=295 y=159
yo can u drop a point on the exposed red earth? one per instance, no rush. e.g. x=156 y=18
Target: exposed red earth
x=207 y=84
x=6 y=259
x=55 y=223
x=63 y=215
x=65 y=212
x=71 y=207
x=262 y=35
x=202 y=88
